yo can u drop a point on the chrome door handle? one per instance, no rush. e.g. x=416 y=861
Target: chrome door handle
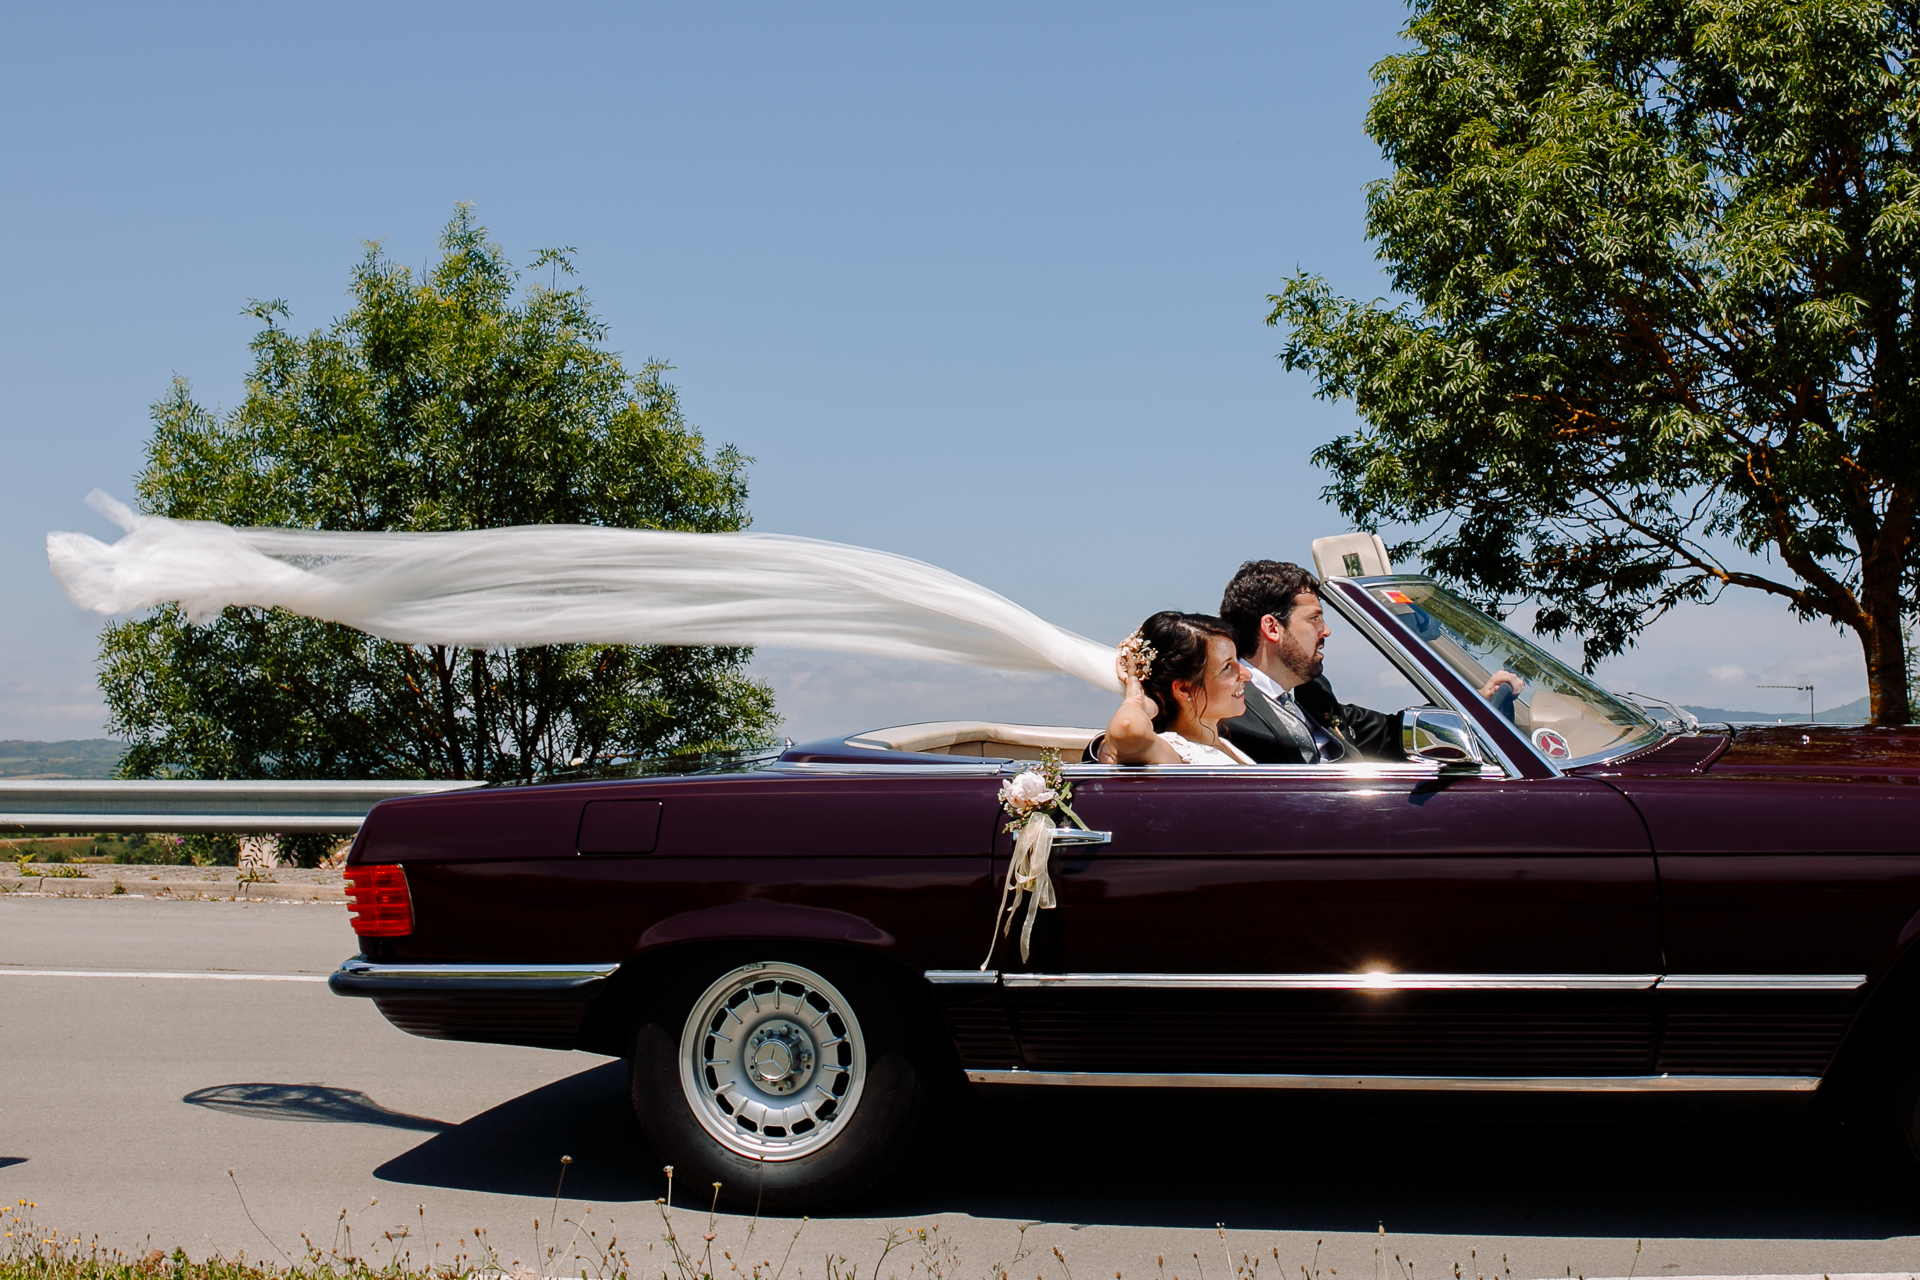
x=1074 y=835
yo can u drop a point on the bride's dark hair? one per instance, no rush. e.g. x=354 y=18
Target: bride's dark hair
x=1179 y=643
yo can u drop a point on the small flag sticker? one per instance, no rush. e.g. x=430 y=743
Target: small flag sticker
x=1395 y=597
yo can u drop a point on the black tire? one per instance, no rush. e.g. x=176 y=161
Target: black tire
x=866 y=1108
x=1903 y=1090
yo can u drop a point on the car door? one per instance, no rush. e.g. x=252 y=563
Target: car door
x=1318 y=921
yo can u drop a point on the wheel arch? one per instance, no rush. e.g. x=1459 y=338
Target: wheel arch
x=634 y=991
x=1859 y=1066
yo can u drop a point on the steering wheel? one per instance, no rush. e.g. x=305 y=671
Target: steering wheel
x=1502 y=700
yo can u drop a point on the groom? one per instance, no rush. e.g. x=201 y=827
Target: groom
x=1292 y=716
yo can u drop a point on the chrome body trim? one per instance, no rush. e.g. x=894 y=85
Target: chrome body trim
x=1078 y=835
x=1340 y=981
x=1433 y=981
x=1454 y=1084
x=1763 y=982
x=980 y=768
x=362 y=977
x=962 y=977
x=1363 y=772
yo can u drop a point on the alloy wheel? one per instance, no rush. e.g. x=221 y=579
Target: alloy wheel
x=772 y=1061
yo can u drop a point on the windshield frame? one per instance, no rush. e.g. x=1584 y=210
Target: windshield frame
x=1353 y=599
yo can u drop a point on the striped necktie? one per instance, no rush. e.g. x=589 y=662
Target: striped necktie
x=1296 y=721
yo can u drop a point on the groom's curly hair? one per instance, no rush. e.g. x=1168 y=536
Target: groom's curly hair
x=1259 y=588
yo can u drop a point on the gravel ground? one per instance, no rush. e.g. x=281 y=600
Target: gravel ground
x=216 y=884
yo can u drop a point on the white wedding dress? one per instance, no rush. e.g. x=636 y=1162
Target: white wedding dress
x=1201 y=753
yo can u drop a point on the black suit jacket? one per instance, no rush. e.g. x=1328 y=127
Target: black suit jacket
x=1355 y=732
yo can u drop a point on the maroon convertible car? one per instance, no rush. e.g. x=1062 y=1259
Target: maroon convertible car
x=1568 y=891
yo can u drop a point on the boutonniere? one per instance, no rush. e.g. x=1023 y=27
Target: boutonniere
x=1031 y=798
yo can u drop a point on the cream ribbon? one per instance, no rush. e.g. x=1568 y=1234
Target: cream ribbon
x=1026 y=873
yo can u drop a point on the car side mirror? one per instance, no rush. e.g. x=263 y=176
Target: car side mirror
x=1439 y=737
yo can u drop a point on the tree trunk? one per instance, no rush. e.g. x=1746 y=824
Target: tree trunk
x=1885 y=642
x=483 y=708
x=443 y=660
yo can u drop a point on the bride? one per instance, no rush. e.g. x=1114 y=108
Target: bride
x=1180 y=677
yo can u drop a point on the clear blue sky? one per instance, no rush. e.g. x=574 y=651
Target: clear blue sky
x=982 y=284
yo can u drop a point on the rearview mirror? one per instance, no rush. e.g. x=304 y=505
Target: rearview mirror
x=1439 y=737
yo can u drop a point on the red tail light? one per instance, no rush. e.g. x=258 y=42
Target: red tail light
x=378 y=899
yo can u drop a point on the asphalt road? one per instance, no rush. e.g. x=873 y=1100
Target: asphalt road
x=126 y=1099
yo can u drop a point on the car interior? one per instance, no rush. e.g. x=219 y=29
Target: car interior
x=979 y=738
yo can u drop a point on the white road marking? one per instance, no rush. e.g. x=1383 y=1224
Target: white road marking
x=162 y=973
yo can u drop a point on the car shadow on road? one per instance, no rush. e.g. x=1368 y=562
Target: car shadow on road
x=1260 y=1163
x=515 y=1148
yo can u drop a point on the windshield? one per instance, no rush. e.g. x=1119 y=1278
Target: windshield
x=1564 y=714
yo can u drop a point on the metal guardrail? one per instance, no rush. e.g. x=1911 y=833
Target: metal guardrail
x=270 y=807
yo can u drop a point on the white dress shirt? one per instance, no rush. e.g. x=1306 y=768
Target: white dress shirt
x=1284 y=700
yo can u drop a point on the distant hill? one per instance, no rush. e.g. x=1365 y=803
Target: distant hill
x=78 y=758
x=1852 y=713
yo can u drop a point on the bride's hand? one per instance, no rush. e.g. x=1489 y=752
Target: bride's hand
x=1131 y=690
x=1130 y=738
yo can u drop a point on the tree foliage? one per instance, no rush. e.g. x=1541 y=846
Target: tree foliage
x=1661 y=257
x=457 y=400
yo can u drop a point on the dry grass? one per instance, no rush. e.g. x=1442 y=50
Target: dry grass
x=579 y=1246
x=564 y=1245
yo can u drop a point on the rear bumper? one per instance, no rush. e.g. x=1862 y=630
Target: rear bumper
x=362 y=977
x=542 y=1005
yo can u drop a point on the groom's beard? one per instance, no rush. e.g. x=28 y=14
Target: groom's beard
x=1299 y=661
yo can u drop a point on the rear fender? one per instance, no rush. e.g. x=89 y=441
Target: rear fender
x=758 y=918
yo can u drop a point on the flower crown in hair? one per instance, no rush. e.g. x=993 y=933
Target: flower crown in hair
x=1136 y=657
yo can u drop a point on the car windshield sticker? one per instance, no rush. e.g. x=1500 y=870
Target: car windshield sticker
x=1396 y=597
x=1551 y=744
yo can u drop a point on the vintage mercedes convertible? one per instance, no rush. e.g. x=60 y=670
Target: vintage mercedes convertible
x=1569 y=891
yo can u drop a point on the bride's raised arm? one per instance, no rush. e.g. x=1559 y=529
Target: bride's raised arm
x=1130 y=736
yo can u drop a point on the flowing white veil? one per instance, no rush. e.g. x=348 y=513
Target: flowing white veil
x=554 y=584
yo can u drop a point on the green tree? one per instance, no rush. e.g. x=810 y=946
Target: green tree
x=1661 y=263
x=457 y=400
